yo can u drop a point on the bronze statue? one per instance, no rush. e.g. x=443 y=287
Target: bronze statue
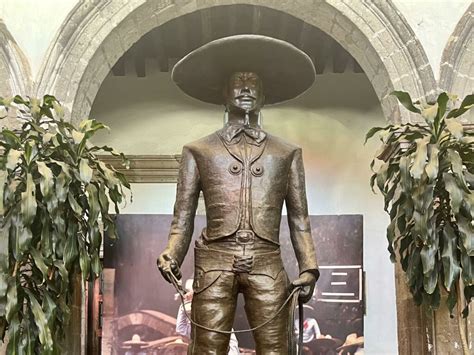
x=245 y=175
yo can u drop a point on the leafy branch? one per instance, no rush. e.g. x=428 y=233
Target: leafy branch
x=427 y=181
x=56 y=197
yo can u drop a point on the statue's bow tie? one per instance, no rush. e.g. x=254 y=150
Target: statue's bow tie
x=233 y=131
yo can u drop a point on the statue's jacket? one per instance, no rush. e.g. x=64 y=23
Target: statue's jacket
x=274 y=174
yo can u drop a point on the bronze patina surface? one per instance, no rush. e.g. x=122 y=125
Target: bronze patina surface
x=246 y=175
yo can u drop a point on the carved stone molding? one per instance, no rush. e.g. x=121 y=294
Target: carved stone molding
x=457 y=69
x=15 y=73
x=147 y=168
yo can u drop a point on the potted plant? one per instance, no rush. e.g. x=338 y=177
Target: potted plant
x=56 y=196
x=425 y=173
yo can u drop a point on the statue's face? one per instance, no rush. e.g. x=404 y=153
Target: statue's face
x=244 y=91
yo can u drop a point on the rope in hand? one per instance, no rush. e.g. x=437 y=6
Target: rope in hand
x=293 y=297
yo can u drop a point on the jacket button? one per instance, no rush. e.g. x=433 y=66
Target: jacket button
x=235 y=168
x=257 y=170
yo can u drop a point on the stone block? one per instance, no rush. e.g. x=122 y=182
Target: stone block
x=112 y=48
x=128 y=31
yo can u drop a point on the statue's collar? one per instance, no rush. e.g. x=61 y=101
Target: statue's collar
x=232 y=133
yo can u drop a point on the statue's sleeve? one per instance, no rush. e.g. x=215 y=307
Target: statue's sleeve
x=298 y=219
x=187 y=194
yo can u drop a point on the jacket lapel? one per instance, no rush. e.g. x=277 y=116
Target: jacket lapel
x=257 y=151
x=232 y=148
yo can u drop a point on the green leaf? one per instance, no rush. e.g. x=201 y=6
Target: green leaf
x=429 y=113
x=28 y=201
x=405 y=99
x=76 y=207
x=414 y=266
x=432 y=167
x=430 y=281
x=46 y=242
x=449 y=257
x=40 y=262
x=466 y=231
x=58 y=109
x=40 y=319
x=11 y=138
x=103 y=200
x=24 y=236
x=469 y=204
x=95 y=264
x=3 y=292
x=110 y=227
x=466 y=104
x=428 y=256
x=110 y=175
x=50 y=308
x=467 y=272
x=94 y=205
x=420 y=158
x=442 y=101
x=19 y=100
x=457 y=167
x=452 y=300
x=62 y=187
x=64 y=274
x=30 y=151
x=454 y=191
x=405 y=178
x=91 y=126
x=85 y=171
x=47 y=179
x=433 y=299
x=455 y=128
x=71 y=250
x=14 y=334
x=382 y=175
x=77 y=136
x=372 y=131
x=13 y=158
x=84 y=262
x=13 y=302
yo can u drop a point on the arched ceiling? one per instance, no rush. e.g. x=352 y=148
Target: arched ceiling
x=166 y=44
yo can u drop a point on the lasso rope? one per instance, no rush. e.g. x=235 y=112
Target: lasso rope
x=293 y=297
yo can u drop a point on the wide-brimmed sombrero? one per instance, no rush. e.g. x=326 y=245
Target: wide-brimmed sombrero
x=285 y=70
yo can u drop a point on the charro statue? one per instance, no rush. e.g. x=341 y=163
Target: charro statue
x=245 y=175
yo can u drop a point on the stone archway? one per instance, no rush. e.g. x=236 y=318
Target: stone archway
x=457 y=69
x=15 y=74
x=95 y=35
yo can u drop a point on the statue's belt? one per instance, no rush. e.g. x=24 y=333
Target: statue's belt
x=210 y=260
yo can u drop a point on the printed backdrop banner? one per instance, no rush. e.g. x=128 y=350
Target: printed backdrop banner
x=144 y=307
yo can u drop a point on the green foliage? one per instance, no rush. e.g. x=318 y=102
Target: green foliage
x=427 y=183
x=56 y=196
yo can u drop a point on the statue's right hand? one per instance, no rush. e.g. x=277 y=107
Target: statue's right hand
x=168 y=267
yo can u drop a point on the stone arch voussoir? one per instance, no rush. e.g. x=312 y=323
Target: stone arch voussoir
x=457 y=65
x=96 y=34
x=15 y=73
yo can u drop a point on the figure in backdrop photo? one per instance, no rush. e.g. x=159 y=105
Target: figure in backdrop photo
x=245 y=175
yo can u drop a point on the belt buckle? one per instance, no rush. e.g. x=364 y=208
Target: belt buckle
x=244 y=236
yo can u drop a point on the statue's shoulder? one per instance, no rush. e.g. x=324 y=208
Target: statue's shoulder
x=204 y=142
x=281 y=144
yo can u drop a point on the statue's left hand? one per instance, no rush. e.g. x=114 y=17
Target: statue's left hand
x=307 y=280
